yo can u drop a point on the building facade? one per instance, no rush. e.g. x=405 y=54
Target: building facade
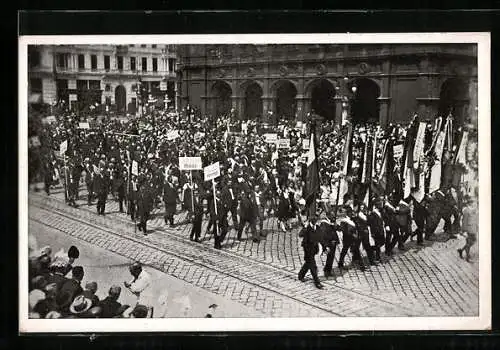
x=384 y=83
x=81 y=75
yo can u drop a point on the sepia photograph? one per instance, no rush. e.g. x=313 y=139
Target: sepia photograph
x=266 y=182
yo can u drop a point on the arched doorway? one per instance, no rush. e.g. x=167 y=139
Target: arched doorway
x=221 y=93
x=120 y=99
x=365 y=106
x=454 y=98
x=253 y=101
x=285 y=99
x=323 y=99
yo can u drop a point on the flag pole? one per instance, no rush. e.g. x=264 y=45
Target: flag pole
x=65 y=178
x=215 y=208
x=192 y=190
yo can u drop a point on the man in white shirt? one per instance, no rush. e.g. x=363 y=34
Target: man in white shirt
x=140 y=285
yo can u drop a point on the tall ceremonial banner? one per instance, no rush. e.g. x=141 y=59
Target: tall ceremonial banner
x=461 y=157
x=418 y=149
x=312 y=179
x=387 y=176
x=435 y=178
x=343 y=185
x=436 y=170
x=407 y=171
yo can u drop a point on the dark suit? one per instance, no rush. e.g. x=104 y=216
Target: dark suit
x=329 y=239
x=109 y=307
x=248 y=214
x=72 y=288
x=361 y=222
x=89 y=181
x=170 y=199
x=376 y=224
x=119 y=184
x=392 y=234
x=197 y=221
x=221 y=222
x=350 y=240
x=310 y=248
x=101 y=185
x=144 y=206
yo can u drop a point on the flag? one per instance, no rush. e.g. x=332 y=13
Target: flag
x=407 y=170
x=346 y=163
x=312 y=179
x=461 y=152
x=387 y=177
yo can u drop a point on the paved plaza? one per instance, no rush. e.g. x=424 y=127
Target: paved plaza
x=260 y=279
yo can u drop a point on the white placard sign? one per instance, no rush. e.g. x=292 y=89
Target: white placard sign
x=212 y=171
x=135 y=168
x=398 y=151
x=271 y=138
x=63 y=147
x=190 y=163
x=83 y=125
x=283 y=143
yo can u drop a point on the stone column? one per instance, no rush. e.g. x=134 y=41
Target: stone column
x=384 y=111
x=237 y=104
x=300 y=112
x=267 y=106
x=338 y=109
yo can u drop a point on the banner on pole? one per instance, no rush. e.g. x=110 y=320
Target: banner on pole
x=283 y=143
x=212 y=171
x=63 y=147
x=271 y=138
x=190 y=163
x=398 y=151
x=135 y=168
x=418 y=149
x=172 y=135
x=83 y=126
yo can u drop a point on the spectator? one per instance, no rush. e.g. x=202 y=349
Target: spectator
x=89 y=292
x=72 y=287
x=110 y=305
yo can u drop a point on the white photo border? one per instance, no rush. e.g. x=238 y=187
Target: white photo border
x=482 y=322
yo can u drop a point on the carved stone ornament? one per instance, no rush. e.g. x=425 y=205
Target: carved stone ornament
x=283 y=71
x=320 y=69
x=251 y=72
x=364 y=68
x=220 y=73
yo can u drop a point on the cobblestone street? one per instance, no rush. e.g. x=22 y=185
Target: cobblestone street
x=421 y=281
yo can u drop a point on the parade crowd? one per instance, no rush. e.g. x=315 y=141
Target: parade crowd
x=378 y=187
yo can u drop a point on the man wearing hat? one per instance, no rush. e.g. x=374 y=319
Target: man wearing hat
x=80 y=306
x=310 y=247
x=170 y=199
x=89 y=180
x=101 y=183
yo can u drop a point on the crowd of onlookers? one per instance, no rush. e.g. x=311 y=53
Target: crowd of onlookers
x=56 y=290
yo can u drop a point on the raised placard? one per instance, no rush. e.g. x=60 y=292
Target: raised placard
x=212 y=171
x=83 y=126
x=283 y=143
x=63 y=147
x=271 y=138
x=398 y=151
x=190 y=163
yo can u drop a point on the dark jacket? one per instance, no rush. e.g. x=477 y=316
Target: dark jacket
x=376 y=224
x=109 y=307
x=309 y=244
x=248 y=209
x=72 y=287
